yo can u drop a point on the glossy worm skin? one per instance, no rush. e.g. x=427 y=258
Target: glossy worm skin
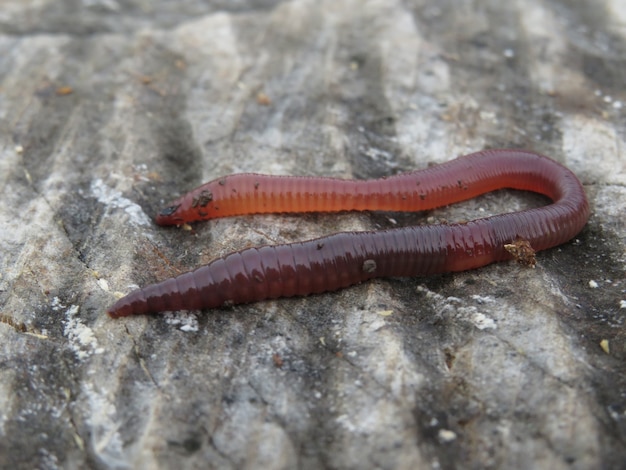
x=339 y=260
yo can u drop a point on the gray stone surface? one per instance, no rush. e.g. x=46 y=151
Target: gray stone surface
x=110 y=108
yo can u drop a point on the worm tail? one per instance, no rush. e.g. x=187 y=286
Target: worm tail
x=320 y=265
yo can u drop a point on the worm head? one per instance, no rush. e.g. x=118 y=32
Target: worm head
x=169 y=216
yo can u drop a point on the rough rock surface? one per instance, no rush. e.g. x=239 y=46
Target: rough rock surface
x=110 y=108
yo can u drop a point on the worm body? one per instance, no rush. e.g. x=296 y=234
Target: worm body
x=339 y=260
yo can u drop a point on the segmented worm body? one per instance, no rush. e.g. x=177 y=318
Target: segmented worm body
x=339 y=260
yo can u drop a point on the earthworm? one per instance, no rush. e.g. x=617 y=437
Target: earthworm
x=337 y=261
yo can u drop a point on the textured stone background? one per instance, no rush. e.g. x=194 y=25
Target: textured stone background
x=109 y=108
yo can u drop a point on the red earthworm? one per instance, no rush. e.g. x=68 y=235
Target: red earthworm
x=339 y=260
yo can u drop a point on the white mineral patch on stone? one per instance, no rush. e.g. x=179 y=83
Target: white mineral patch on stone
x=112 y=198
x=81 y=338
x=185 y=321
